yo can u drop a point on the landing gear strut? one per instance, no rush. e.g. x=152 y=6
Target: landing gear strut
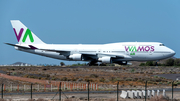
x=156 y=63
x=92 y=63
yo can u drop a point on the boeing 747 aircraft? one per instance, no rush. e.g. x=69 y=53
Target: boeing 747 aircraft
x=119 y=53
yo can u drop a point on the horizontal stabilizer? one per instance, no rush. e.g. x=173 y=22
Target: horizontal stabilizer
x=17 y=46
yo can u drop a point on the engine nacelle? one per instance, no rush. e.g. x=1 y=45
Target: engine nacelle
x=76 y=57
x=105 y=60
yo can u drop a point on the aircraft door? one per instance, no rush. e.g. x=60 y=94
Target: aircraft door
x=127 y=52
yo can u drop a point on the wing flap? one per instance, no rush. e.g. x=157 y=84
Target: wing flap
x=61 y=52
x=95 y=55
x=116 y=55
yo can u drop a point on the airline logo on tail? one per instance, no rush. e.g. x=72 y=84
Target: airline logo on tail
x=27 y=33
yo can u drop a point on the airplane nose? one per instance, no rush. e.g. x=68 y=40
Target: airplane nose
x=170 y=53
x=173 y=52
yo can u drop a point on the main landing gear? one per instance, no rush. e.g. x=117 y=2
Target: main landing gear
x=92 y=63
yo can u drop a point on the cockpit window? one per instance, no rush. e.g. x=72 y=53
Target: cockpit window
x=161 y=45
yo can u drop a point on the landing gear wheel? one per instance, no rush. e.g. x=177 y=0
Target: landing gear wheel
x=88 y=64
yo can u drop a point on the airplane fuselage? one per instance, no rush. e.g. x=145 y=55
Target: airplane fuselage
x=125 y=51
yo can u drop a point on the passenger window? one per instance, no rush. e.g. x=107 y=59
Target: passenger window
x=161 y=45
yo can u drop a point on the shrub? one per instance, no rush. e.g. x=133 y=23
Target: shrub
x=178 y=83
x=74 y=79
x=88 y=80
x=155 y=83
x=79 y=79
x=101 y=79
x=53 y=78
x=32 y=76
x=26 y=76
x=132 y=70
x=135 y=79
x=14 y=73
x=169 y=62
x=106 y=81
x=150 y=82
x=112 y=79
x=116 y=79
x=130 y=84
x=44 y=78
x=12 y=69
x=128 y=79
x=175 y=84
x=142 y=64
x=94 y=76
x=158 y=80
x=177 y=62
x=64 y=79
x=160 y=83
x=139 y=80
x=168 y=82
x=155 y=76
x=62 y=63
x=149 y=63
x=47 y=75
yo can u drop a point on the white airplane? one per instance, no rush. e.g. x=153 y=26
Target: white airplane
x=119 y=53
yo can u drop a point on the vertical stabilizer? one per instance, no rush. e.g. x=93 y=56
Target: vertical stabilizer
x=23 y=34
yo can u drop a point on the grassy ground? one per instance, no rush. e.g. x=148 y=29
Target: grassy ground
x=126 y=75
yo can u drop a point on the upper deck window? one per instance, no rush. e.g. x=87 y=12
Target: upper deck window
x=161 y=45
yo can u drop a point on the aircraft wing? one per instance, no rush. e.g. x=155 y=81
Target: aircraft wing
x=53 y=50
x=88 y=56
x=116 y=55
x=61 y=52
x=95 y=55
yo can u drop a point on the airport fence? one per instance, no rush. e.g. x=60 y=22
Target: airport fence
x=65 y=86
x=60 y=87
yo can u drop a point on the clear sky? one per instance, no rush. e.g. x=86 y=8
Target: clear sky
x=88 y=22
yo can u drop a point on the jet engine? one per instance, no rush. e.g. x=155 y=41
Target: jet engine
x=76 y=57
x=105 y=60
